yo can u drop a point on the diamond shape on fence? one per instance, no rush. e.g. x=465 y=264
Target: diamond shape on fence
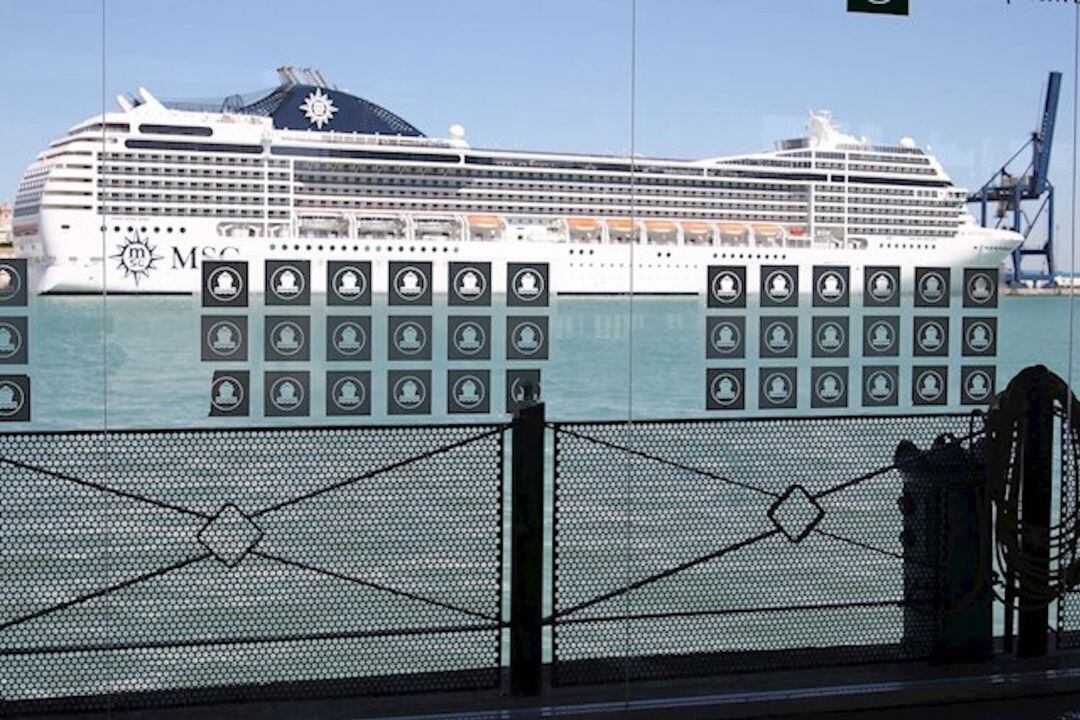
x=230 y=535
x=795 y=513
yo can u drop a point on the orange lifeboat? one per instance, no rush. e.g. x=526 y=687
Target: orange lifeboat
x=660 y=226
x=696 y=227
x=621 y=225
x=768 y=229
x=484 y=222
x=797 y=230
x=582 y=224
x=732 y=228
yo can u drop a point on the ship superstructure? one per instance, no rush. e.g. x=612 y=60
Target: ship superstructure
x=135 y=200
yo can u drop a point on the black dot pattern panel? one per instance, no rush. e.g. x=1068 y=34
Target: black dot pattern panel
x=227 y=563
x=703 y=547
x=1066 y=553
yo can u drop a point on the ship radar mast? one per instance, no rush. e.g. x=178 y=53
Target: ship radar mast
x=824 y=134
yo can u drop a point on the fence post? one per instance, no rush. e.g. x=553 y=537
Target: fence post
x=1037 y=457
x=947 y=554
x=527 y=550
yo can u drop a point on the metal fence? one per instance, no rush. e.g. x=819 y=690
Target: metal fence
x=183 y=567
x=706 y=547
x=153 y=567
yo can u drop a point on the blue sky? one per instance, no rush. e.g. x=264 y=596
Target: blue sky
x=712 y=76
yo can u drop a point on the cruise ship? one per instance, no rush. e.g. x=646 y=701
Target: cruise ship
x=134 y=201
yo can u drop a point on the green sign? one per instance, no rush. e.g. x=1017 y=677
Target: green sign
x=887 y=7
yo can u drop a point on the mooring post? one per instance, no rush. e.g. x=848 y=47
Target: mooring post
x=1037 y=457
x=527 y=549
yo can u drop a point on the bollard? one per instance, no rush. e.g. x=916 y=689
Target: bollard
x=527 y=549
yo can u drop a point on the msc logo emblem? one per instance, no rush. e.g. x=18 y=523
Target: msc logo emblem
x=136 y=258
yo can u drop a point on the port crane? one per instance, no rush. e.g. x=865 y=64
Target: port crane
x=1025 y=199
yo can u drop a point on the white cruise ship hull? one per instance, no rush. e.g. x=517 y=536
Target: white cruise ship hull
x=65 y=267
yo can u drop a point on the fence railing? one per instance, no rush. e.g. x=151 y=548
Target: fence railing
x=141 y=568
x=191 y=566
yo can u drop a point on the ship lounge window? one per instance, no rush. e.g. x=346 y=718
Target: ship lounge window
x=176 y=130
x=193 y=146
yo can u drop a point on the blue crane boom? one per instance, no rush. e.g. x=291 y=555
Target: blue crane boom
x=1027 y=198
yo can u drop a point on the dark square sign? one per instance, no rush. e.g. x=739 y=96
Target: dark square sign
x=980 y=337
x=727 y=286
x=778 y=389
x=410 y=283
x=224 y=338
x=14 y=341
x=288 y=282
x=527 y=285
x=931 y=337
x=832 y=286
x=13 y=282
x=348 y=283
x=409 y=337
x=527 y=338
x=469 y=283
x=881 y=385
x=779 y=337
x=981 y=287
x=725 y=389
x=830 y=336
x=829 y=387
x=230 y=392
x=977 y=384
x=468 y=337
x=881 y=286
x=930 y=385
x=14 y=398
x=725 y=337
x=287 y=394
x=287 y=338
x=882 y=7
x=408 y=392
x=779 y=285
x=881 y=336
x=468 y=391
x=348 y=393
x=224 y=284
x=931 y=287
x=348 y=338
x=522 y=387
